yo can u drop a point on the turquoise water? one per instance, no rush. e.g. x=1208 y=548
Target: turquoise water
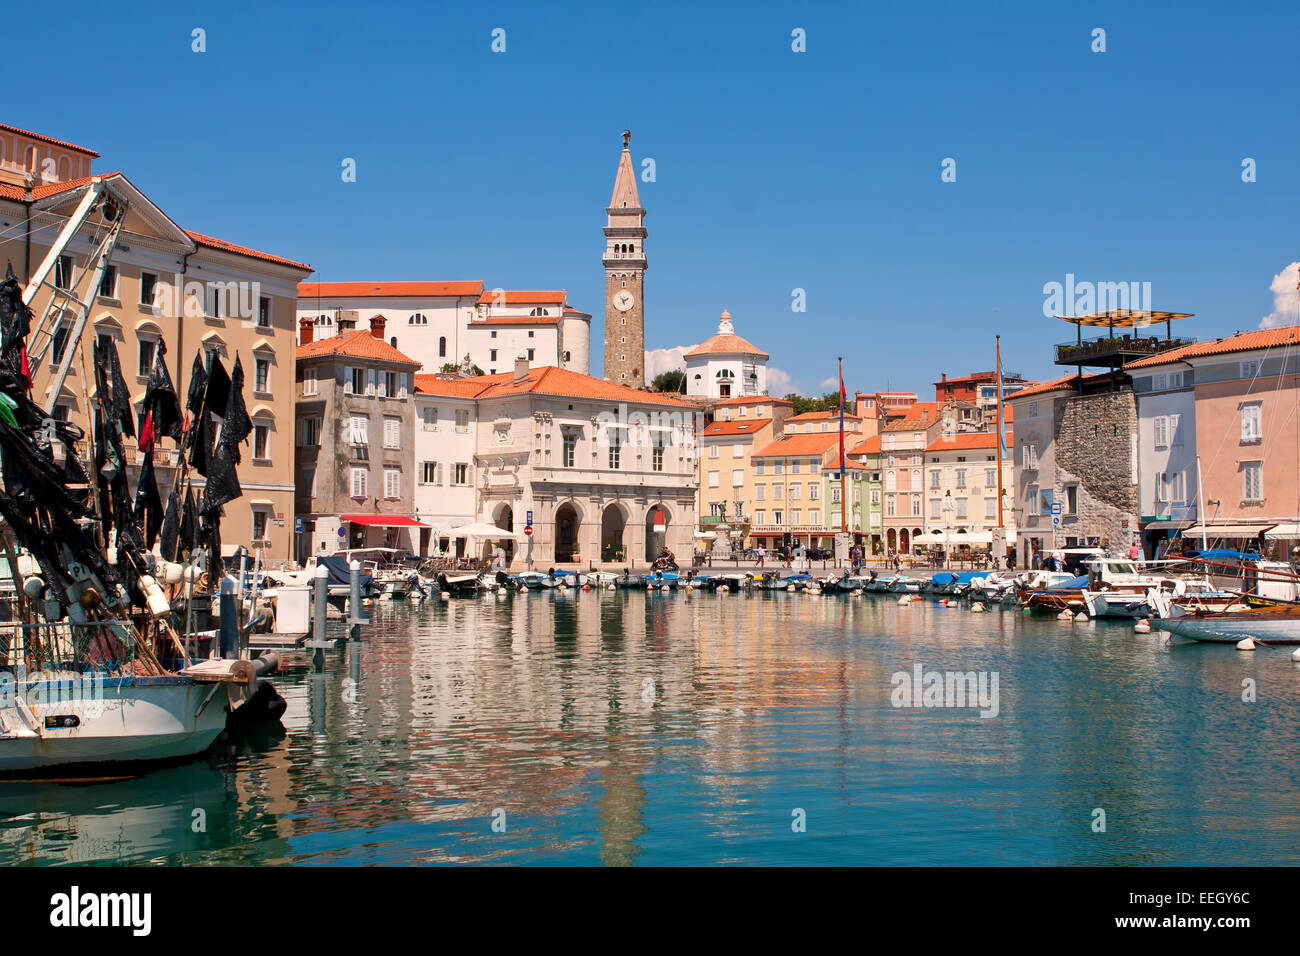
x=623 y=728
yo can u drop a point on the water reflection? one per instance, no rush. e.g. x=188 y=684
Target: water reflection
x=619 y=728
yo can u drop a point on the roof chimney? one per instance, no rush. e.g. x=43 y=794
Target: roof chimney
x=305 y=330
x=521 y=368
x=377 y=326
x=925 y=414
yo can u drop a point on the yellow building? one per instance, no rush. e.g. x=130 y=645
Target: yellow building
x=741 y=426
x=171 y=285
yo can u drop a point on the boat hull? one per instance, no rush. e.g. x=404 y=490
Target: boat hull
x=133 y=720
x=1231 y=628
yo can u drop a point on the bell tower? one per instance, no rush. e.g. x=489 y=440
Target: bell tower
x=625 y=266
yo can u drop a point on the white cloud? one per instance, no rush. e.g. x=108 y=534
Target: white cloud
x=779 y=382
x=658 y=361
x=1286 y=298
x=832 y=383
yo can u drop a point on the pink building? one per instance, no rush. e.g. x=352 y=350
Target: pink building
x=1246 y=392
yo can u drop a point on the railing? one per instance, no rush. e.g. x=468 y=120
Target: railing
x=1137 y=345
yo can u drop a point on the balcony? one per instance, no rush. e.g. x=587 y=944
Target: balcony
x=1113 y=351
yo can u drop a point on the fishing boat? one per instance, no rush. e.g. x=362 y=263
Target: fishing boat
x=459 y=583
x=1065 y=595
x=533 y=580
x=100 y=667
x=1278 y=624
x=907 y=585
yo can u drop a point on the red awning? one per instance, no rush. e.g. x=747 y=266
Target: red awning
x=384 y=521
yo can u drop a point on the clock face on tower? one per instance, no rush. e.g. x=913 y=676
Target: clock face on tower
x=624 y=300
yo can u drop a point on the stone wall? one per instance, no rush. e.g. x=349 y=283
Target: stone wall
x=1094 y=437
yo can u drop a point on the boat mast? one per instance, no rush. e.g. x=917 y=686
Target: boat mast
x=998 y=444
x=844 y=501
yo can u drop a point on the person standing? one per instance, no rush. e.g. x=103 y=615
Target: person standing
x=761 y=555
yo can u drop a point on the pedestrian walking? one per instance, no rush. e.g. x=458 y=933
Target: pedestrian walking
x=761 y=555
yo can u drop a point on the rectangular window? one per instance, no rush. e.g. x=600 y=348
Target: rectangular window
x=1031 y=500
x=796 y=491
x=309 y=381
x=889 y=506
x=1162 y=488
x=392 y=483
x=760 y=468
x=990 y=507
x=429 y=416
x=990 y=478
x=796 y=516
x=961 y=477
x=428 y=472
x=778 y=468
x=814 y=491
x=935 y=505
x=1252 y=480
x=778 y=491
x=261 y=439
x=794 y=467
x=1161 y=424
x=392 y=431
x=262 y=375
x=460 y=474
x=875 y=496
x=462 y=420
x=961 y=509
x=813 y=467
x=1071 y=500
x=934 y=478
x=360 y=430
x=359 y=479
x=310 y=432
x=1175 y=429
x=63 y=272
x=1177 y=488
x=737 y=450
x=144 y=365
x=59 y=344
x=108 y=283
x=148 y=288
x=737 y=477
x=263 y=313
x=713 y=479
x=260 y=523
x=916 y=481
x=657 y=456
x=1250 y=422
x=760 y=492
x=1032 y=410
x=615 y=449
x=492 y=355
x=390 y=384
x=778 y=517
x=713 y=451
x=570 y=449
x=815 y=516
x=358 y=381
x=1250 y=369
x=760 y=517
x=530 y=351
x=916 y=507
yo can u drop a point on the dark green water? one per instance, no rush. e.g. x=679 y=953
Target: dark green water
x=625 y=728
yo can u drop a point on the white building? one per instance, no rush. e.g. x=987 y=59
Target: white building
x=443 y=323
x=446 y=435
x=1166 y=404
x=726 y=366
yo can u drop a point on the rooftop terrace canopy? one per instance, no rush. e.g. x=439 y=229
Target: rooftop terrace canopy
x=1124 y=318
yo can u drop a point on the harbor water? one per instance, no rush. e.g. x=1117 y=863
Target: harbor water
x=627 y=727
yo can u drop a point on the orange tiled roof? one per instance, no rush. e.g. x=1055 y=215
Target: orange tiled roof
x=800 y=446
x=967 y=440
x=50 y=139
x=521 y=297
x=16 y=193
x=358 y=343
x=458 y=387
x=1054 y=385
x=1244 y=342
x=726 y=345
x=352 y=290
x=869 y=447
x=738 y=426
x=224 y=246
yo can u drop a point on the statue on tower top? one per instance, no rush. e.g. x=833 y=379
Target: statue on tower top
x=627 y=138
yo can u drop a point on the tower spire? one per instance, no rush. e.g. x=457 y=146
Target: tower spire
x=625 y=196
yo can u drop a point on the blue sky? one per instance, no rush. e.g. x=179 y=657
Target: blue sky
x=775 y=170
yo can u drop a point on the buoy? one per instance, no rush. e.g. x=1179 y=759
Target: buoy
x=610 y=588
x=723 y=589
x=1295 y=655
x=444 y=595
x=649 y=587
x=1065 y=616
x=977 y=607
x=916 y=597
x=666 y=587
x=1247 y=645
x=904 y=601
x=790 y=589
x=689 y=589
x=501 y=595
x=1081 y=616
x=523 y=588
x=1143 y=626
x=586 y=587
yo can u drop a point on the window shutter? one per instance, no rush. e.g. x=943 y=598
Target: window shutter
x=347 y=380
x=370 y=381
x=402 y=390
x=1245 y=423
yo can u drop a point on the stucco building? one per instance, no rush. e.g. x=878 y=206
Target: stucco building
x=164 y=284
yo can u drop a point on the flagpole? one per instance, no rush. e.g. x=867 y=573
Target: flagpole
x=844 y=501
x=998 y=443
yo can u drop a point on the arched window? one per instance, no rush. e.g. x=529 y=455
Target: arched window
x=442 y=347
